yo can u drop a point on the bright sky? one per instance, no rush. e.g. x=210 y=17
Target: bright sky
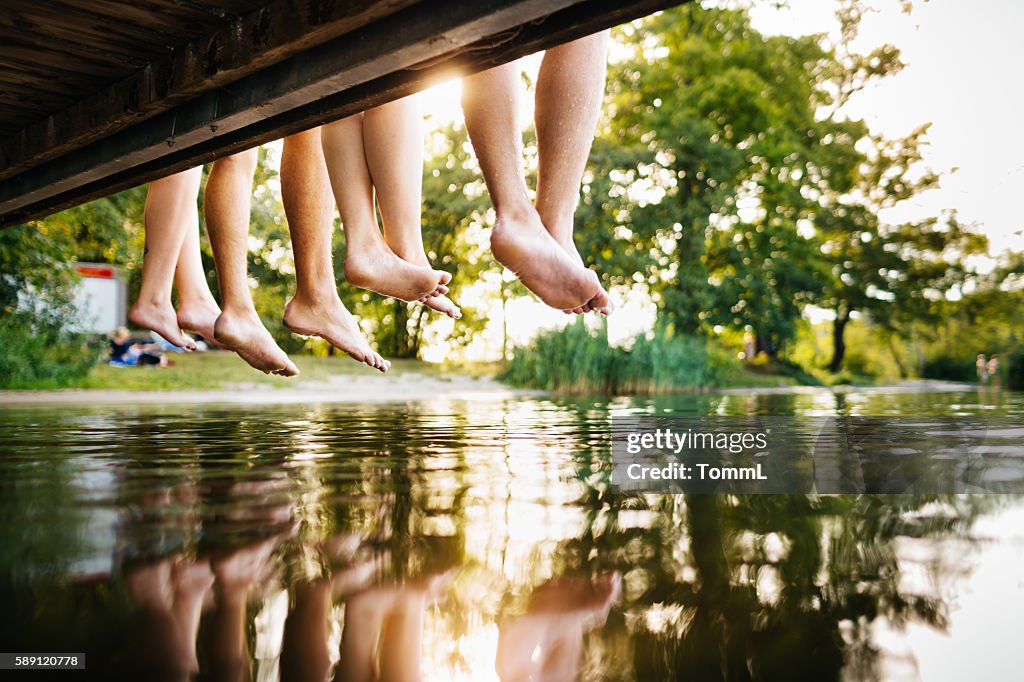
x=962 y=60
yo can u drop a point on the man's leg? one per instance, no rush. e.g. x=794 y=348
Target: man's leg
x=519 y=240
x=570 y=86
x=393 y=141
x=170 y=214
x=369 y=262
x=227 y=200
x=316 y=309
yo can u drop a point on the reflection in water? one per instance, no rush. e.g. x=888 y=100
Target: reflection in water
x=468 y=541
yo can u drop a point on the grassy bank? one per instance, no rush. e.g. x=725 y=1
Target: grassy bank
x=579 y=360
x=223 y=370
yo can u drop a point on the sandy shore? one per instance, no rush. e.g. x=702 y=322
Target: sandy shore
x=391 y=389
x=337 y=389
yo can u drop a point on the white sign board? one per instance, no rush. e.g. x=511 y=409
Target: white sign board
x=100 y=298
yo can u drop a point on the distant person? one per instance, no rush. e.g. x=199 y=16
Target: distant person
x=127 y=353
x=982 y=368
x=534 y=239
x=993 y=369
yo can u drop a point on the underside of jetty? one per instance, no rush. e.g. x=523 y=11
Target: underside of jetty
x=97 y=96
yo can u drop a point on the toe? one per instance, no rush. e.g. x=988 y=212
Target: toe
x=444 y=277
x=601 y=303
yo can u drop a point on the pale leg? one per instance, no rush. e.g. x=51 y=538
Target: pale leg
x=369 y=262
x=519 y=240
x=316 y=309
x=227 y=201
x=570 y=86
x=393 y=142
x=170 y=215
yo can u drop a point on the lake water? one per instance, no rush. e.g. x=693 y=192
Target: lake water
x=435 y=538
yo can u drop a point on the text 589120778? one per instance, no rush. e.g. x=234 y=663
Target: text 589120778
x=35 y=661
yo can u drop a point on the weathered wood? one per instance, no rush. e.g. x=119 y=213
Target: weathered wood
x=273 y=31
x=390 y=58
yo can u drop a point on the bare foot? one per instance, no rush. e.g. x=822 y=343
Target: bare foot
x=161 y=319
x=243 y=567
x=443 y=304
x=245 y=335
x=526 y=248
x=200 y=318
x=191 y=579
x=335 y=324
x=383 y=272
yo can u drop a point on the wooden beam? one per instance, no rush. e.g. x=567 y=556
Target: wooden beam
x=396 y=56
x=276 y=31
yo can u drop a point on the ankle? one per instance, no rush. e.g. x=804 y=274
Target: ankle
x=239 y=311
x=515 y=212
x=314 y=298
x=152 y=299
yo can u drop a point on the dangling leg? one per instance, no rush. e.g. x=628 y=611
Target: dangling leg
x=316 y=309
x=369 y=263
x=227 y=201
x=394 y=156
x=519 y=240
x=170 y=215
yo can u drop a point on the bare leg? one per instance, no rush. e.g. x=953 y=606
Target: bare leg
x=519 y=240
x=546 y=643
x=236 y=575
x=316 y=309
x=228 y=196
x=393 y=143
x=568 y=102
x=170 y=216
x=304 y=651
x=197 y=309
x=369 y=263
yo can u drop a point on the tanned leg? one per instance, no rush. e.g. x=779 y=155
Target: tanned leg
x=570 y=86
x=316 y=309
x=227 y=202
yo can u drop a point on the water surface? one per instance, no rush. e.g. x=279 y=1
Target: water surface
x=299 y=541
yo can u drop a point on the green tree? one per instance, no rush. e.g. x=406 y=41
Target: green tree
x=697 y=181
x=891 y=273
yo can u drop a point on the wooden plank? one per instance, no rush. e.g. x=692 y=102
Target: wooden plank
x=272 y=33
x=290 y=97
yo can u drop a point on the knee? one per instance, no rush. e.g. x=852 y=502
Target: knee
x=240 y=163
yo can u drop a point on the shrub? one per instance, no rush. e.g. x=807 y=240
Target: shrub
x=949 y=367
x=578 y=360
x=37 y=352
x=1015 y=370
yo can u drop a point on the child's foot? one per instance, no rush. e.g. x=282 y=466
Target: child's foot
x=526 y=248
x=160 y=318
x=200 y=318
x=244 y=334
x=383 y=272
x=333 y=323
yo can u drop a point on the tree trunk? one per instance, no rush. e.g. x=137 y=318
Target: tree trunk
x=765 y=344
x=838 y=340
x=896 y=357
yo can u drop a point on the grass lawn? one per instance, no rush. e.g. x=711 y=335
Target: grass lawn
x=222 y=369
